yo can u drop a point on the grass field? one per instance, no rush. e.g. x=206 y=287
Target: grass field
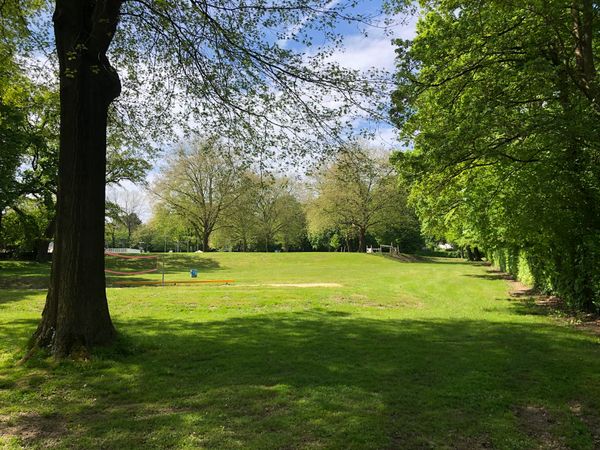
x=305 y=351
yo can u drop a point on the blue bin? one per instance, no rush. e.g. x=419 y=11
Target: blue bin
x=194 y=273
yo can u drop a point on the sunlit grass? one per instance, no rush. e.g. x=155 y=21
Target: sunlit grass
x=386 y=355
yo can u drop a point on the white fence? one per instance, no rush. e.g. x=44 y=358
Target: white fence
x=390 y=249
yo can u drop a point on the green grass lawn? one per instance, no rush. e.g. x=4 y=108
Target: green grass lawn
x=388 y=355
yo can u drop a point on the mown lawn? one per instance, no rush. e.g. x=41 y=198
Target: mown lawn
x=387 y=355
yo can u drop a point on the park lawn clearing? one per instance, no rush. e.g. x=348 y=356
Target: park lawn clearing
x=371 y=353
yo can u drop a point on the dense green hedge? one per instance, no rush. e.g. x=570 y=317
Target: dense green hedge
x=513 y=262
x=574 y=276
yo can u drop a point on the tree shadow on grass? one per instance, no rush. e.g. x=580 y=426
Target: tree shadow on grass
x=529 y=307
x=23 y=268
x=491 y=274
x=177 y=263
x=324 y=379
x=24 y=275
x=27 y=282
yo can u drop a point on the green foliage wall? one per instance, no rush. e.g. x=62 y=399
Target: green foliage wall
x=514 y=262
x=501 y=104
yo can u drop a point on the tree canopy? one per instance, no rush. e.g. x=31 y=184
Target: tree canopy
x=201 y=183
x=501 y=104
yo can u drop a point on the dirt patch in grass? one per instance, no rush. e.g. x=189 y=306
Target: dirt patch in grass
x=473 y=443
x=536 y=422
x=591 y=421
x=591 y=325
x=31 y=427
x=23 y=282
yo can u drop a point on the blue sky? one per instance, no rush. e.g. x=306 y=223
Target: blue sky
x=375 y=50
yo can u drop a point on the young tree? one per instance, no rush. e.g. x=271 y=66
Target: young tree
x=124 y=208
x=279 y=216
x=164 y=229
x=239 y=230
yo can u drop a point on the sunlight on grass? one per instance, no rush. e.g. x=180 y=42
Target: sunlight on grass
x=400 y=355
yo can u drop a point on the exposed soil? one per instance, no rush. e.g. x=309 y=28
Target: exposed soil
x=32 y=427
x=592 y=422
x=549 y=304
x=536 y=422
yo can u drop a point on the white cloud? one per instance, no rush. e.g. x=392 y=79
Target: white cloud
x=363 y=53
x=376 y=50
x=386 y=138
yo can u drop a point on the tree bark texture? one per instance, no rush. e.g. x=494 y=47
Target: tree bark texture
x=76 y=312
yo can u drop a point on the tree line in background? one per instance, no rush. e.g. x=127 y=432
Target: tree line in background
x=205 y=198
x=501 y=101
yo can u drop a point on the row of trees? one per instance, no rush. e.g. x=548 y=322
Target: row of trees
x=501 y=101
x=206 y=198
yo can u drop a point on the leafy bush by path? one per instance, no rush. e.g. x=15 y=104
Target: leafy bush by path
x=573 y=277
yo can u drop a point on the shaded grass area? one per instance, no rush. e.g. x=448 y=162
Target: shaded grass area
x=426 y=355
x=24 y=275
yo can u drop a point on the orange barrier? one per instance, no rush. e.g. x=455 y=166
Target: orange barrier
x=120 y=255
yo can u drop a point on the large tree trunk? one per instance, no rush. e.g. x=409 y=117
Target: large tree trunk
x=583 y=33
x=76 y=311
